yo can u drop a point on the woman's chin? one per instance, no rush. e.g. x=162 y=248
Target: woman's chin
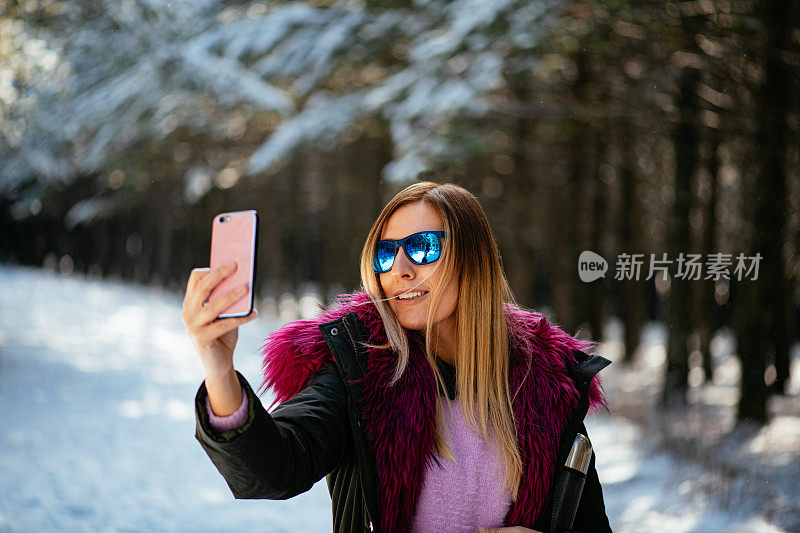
x=412 y=323
x=414 y=326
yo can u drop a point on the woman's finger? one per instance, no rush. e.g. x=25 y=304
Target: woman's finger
x=194 y=278
x=198 y=314
x=222 y=326
x=211 y=311
x=189 y=307
x=197 y=274
x=205 y=285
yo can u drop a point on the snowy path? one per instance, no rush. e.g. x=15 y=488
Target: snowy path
x=97 y=382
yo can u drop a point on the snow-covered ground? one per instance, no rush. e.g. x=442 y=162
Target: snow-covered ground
x=97 y=382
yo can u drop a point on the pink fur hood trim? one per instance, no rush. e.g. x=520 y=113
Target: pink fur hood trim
x=400 y=418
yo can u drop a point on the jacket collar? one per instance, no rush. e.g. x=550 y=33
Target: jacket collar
x=546 y=398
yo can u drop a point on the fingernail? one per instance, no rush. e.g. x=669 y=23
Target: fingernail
x=228 y=264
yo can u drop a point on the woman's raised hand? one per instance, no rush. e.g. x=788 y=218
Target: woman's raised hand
x=214 y=338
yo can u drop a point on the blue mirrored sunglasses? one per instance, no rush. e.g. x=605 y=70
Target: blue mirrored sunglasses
x=421 y=248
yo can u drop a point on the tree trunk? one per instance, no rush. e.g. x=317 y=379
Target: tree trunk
x=705 y=296
x=764 y=330
x=685 y=138
x=517 y=258
x=631 y=301
x=569 y=299
x=596 y=290
x=780 y=18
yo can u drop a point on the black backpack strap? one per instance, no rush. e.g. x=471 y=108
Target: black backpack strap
x=586 y=367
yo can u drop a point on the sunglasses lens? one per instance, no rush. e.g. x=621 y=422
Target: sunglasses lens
x=424 y=248
x=384 y=256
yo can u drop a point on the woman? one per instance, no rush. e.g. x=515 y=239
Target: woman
x=429 y=400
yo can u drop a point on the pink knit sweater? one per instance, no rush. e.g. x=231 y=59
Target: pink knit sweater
x=457 y=496
x=460 y=495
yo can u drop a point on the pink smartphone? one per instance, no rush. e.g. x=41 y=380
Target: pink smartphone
x=234 y=237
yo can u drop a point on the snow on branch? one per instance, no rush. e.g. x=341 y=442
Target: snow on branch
x=141 y=68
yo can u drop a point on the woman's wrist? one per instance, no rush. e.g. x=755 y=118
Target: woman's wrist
x=233 y=421
x=219 y=373
x=224 y=392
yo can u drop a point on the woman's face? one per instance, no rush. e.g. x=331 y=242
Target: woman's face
x=405 y=275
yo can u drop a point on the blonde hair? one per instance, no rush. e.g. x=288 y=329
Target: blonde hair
x=470 y=258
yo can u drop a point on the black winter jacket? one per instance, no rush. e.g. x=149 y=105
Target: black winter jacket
x=318 y=433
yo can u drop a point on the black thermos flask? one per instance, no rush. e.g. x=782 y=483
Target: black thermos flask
x=569 y=484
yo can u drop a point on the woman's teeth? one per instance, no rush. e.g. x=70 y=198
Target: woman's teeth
x=410 y=295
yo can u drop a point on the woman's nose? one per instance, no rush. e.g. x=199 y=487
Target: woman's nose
x=402 y=265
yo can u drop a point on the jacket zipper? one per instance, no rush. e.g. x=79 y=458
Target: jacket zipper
x=353 y=344
x=358 y=421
